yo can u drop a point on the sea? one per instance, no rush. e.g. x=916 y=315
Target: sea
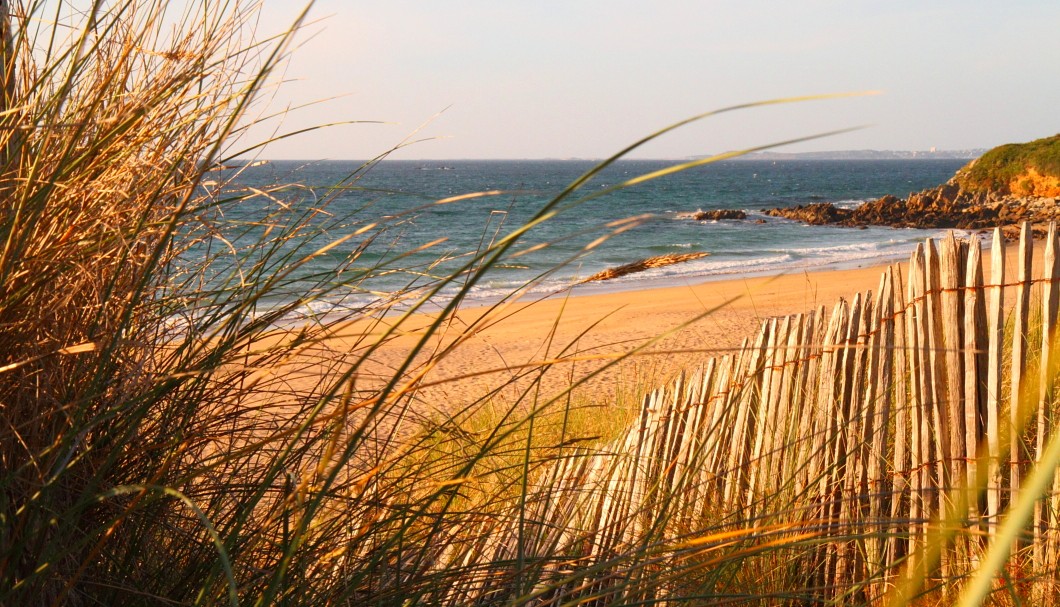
x=403 y=225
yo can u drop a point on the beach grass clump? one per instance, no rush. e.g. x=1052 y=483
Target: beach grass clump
x=112 y=115
x=172 y=429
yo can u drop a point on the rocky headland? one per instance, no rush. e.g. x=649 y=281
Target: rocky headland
x=1008 y=185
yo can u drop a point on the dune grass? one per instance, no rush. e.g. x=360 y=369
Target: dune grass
x=169 y=435
x=998 y=169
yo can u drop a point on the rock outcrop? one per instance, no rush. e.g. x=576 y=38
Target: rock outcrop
x=713 y=215
x=818 y=213
x=1022 y=190
x=946 y=206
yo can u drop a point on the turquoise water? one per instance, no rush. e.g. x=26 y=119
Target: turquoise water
x=400 y=195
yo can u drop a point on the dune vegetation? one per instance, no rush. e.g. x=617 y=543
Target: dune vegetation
x=170 y=436
x=164 y=440
x=1017 y=169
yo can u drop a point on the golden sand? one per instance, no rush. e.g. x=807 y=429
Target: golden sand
x=670 y=329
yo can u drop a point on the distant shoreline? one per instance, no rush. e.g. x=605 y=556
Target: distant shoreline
x=867 y=155
x=759 y=156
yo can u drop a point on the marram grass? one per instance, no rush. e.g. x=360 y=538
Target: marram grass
x=163 y=441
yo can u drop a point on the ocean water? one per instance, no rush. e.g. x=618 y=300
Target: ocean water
x=401 y=197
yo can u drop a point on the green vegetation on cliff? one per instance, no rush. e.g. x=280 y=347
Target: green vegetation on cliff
x=1006 y=168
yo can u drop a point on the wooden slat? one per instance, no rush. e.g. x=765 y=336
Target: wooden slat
x=829 y=397
x=813 y=335
x=744 y=429
x=975 y=368
x=780 y=448
x=815 y=476
x=919 y=369
x=790 y=441
x=1053 y=366
x=878 y=407
x=773 y=435
x=720 y=415
x=897 y=546
x=688 y=480
x=850 y=457
x=704 y=441
x=995 y=347
x=864 y=379
x=1018 y=449
x=931 y=323
x=731 y=406
x=761 y=414
x=1046 y=424
x=952 y=395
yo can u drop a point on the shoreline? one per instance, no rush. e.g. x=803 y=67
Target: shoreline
x=494 y=353
x=492 y=349
x=637 y=282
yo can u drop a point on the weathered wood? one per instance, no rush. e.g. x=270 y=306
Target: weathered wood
x=995 y=347
x=919 y=453
x=809 y=353
x=952 y=393
x=931 y=458
x=690 y=456
x=744 y=432
x=1018 y=449
x=776 y=433
x=851 y=457
x=719 y=420
x=671 y=481
x=840 y=466
x=879 y=402
x=787 y=442
x=692 y=437
x=818 y=394
x=897 y=544
x=861 y=408
x=733 y=393
x=974 y=313
x=761 y=413
x=704 y=437
x=829 y=402
x=1044 y=519
x=932 y=327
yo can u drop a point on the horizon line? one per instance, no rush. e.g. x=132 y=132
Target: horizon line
x=915 y=154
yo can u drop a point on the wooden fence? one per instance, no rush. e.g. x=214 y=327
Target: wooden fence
x=889 y=434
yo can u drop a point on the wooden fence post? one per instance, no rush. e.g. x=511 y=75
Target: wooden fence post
x=896 y=548
x=920 y=448
x=1046 y=425
x=1017 y=447
x=996 y=336
x=974 y=367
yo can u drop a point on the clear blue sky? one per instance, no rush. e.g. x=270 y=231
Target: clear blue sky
x=574 y=78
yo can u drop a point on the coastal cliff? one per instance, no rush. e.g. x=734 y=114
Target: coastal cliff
x=1007 y=185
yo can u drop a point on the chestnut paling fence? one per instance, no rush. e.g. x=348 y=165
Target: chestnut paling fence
x=877 y=443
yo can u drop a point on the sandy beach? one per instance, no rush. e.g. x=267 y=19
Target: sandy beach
x=669 y=329
x=627 y=341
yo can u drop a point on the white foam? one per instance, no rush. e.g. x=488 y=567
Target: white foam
x=851 y=203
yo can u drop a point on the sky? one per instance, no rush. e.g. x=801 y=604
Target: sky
x=479 y=79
